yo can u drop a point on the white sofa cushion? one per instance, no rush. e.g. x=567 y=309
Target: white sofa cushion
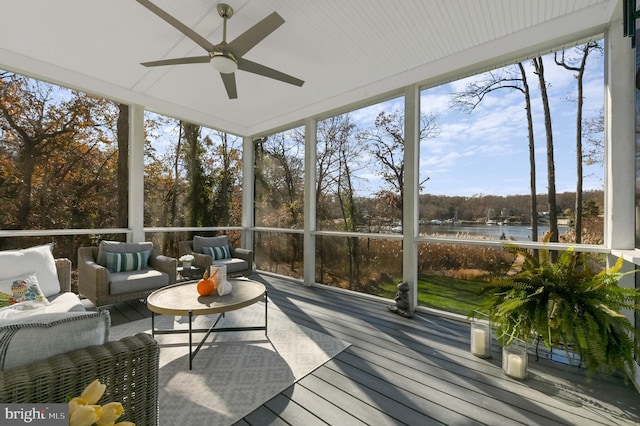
x=38 y=337
x=35 y=260
x=62 y=302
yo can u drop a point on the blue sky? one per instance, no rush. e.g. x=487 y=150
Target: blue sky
x=486 y=151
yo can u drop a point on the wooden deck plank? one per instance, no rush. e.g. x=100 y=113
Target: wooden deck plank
x=340 y=398
x=264 y=416
x=331 y=320
x=445 y=397
x=400 y=370
x=291 y=412
x=471 y=383
x=320 y=407
x=403 y=406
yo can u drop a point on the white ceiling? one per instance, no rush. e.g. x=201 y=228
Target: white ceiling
x=346 y=51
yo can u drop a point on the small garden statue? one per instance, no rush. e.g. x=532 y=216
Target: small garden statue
x=402 y=306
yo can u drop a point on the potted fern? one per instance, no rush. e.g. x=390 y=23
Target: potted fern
x=569 y=306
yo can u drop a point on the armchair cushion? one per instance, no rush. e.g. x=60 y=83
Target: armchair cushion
x=24 y=340
x=34 y=260
x=120 y=247
x=234 y=265
x=147 y=279
x=199 y=243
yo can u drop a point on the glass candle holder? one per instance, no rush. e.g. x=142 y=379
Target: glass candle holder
x=480 y=335
x=514 y=359
x=221 y=271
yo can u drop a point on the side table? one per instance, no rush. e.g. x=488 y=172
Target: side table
x=190 y=273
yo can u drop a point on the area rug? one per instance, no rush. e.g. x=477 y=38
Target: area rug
x=235 y=372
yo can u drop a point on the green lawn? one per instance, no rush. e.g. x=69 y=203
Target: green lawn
x=448 y=294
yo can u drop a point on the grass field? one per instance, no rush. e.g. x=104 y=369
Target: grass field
x=445 y=293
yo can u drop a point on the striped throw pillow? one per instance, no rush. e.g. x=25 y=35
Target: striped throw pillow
x=217 y=253
x=119 y=262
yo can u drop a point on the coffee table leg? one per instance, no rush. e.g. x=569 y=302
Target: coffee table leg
x=266 y=300
x=153 y=324
x=190 y=338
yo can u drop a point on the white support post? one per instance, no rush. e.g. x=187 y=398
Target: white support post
x=136 y=174
x=411 y=191
x=248 y=191
x=310 y=138
x=620 y=154
x=620 y=141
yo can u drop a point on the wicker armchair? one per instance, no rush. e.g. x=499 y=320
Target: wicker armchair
x=240 y=263
x=95 y=281
x=63 y=268
x=128 y=367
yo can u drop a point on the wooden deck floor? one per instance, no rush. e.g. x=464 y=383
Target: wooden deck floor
x=419 y=371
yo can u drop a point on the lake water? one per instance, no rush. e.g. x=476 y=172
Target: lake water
x=515 y=232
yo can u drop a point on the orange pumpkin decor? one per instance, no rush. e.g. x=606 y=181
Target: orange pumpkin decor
x=208 y=285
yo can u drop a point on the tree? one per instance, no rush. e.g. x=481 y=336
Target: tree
x=58 y=141
x=338 y=158
x=578 y=65
x=225 y=170
x=385 y=141
x=594 y=153
x=198 y=199
x=538 y=65
x=476 y=92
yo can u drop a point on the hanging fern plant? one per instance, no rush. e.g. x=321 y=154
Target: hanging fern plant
x=569 y=306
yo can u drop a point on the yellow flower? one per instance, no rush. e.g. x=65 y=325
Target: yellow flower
x=73 y=404
x=84 y=412
x=84 y=415
x=93 y=392
x=109 y=413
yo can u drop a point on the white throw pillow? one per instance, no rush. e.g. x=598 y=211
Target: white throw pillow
x=35 y=260
x=24 y=288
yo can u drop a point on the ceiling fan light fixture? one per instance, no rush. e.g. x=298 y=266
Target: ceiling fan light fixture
x=223 y=64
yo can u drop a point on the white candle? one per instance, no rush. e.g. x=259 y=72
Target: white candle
x=478 y=346
x=515 y=366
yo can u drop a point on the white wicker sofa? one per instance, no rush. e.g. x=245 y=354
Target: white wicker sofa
x=35 y=266
x=51 y=348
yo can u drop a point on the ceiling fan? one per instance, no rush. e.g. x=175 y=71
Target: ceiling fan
x=225 y=57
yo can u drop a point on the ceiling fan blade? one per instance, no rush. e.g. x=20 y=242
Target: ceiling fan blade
x=204 y=43
x=254 y=35
x=256 y=68
x=178 y=61
x=229 y=81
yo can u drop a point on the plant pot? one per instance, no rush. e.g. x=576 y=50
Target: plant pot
x=186 y=265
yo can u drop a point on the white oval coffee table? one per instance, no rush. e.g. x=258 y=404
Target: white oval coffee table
x=183 y=299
